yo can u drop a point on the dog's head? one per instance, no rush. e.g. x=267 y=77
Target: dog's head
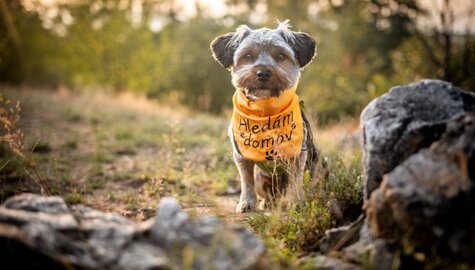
x=264 y=62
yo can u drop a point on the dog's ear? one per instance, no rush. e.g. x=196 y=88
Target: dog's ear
x=304 y=47
x=223 y=50
x=225 y=46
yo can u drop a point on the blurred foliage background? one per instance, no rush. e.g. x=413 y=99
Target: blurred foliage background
x=161 y=47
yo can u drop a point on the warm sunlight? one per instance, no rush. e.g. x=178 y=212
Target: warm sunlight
x=237 y=134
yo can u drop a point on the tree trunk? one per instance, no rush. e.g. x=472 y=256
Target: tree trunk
x=11 y=30
x=447 y=19
x=467 y=53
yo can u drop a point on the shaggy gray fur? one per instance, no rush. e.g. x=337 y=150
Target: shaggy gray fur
x=264 y=63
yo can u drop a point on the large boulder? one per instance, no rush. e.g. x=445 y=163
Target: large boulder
x=404 y=120
x=419 y=164
x=429 y=198
x=44 y=233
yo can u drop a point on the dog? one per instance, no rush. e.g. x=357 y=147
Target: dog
x=271 y=136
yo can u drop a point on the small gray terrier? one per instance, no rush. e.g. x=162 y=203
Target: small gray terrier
x=264 y=63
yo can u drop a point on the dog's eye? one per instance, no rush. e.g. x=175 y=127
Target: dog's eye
x=280 y=57
x=249 y=57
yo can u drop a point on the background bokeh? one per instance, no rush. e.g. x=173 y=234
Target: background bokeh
x=116 y=104
x=161 y=47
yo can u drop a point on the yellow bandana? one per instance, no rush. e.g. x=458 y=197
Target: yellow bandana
x=268 y=129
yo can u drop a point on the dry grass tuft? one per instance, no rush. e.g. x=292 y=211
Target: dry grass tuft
x=14 y=139
x=9 y=116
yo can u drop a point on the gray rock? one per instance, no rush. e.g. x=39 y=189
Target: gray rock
x=354 y=244
x=38 y=244
x=20 y=217
x=404 y=120
x=419 y=162
x=42 y=232
x=326 y=263
x=226 y=249
x=27 y=208
x=378 y=253
x=32 y=203
x=172 y=225
x=138 y=256
x=107 y=233
x=337 y=238
x=91 y=218
x=428 y=199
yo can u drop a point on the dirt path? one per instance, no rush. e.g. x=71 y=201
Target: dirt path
x=122 y=153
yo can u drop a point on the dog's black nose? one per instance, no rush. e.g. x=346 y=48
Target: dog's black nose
x=263 y=74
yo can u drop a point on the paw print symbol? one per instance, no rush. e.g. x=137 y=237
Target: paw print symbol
x=242 y=135
x=270 y=155
x=293 y=126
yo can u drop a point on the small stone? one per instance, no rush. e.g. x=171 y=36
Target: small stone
x=172 y=224
x=326 y=263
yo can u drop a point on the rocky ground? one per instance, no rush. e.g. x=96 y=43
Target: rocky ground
x=418 y=144
x=52 y=235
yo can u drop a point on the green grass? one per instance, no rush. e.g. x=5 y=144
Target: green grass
x=291 y=233
x=73 y=198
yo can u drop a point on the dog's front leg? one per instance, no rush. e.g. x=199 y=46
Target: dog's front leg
x=247 y=201
x=295 y=191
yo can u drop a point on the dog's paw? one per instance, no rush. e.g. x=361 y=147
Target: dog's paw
x=264 y=205
x=244 y=206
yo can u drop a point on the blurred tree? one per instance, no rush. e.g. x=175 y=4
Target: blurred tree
x=22 y=45
x=451 y=53
x=150 y=46
x=11 y=32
